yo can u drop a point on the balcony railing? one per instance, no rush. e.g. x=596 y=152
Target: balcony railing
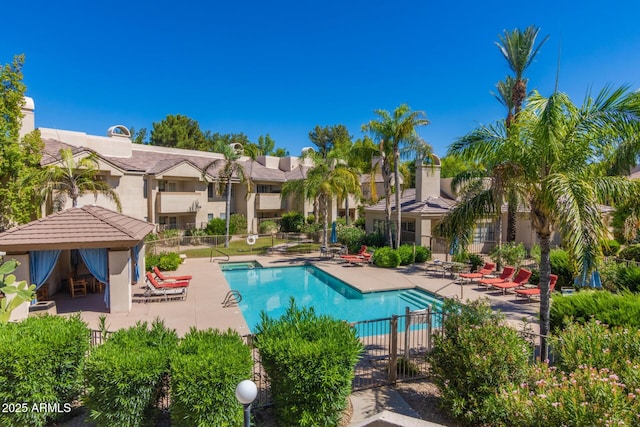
x=269 y=202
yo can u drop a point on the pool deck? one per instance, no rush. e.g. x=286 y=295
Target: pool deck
x=203 y=306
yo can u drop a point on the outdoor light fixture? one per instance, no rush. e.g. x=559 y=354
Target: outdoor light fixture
x=246 y=393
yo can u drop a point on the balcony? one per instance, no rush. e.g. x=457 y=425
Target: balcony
x=269 y=202
x=177 y=202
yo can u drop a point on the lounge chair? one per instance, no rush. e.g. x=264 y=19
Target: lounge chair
x=356 y=260
x=164 y=278
x=520 y=280
x=531 y=292
x=362 y=253
x=165 y=289
x=505 y=276
x=488 y=268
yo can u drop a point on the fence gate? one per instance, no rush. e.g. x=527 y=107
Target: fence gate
x=395 y=348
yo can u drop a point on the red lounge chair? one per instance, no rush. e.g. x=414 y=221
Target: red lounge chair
x=357 y=260
x=362 y=253
x=488 y=268
x=520 y=279
x=505 y=276
x=166 y=289
x=531 y=292
x=164 y=278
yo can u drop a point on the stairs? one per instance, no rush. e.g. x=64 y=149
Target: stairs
x=420 y=299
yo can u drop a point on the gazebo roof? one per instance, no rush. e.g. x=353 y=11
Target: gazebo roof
x=75 y=228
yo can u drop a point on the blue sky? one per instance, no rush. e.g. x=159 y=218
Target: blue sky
x=283 y=67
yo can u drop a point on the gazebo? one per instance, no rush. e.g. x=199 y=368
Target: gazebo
x=110 y=246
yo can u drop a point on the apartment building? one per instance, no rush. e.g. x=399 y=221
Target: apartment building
x=166 y=186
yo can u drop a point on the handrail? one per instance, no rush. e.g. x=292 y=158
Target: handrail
x=218 y=250
x=232 y=299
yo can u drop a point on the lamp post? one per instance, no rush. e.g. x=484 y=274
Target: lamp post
x=246 y=393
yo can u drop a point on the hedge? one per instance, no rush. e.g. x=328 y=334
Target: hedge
x=125 y=375
x=41 y=360
x=310 y=361
x=205 y=370
x=386 y=257
x=613 y=309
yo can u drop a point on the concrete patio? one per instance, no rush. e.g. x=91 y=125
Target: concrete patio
x=203 y=306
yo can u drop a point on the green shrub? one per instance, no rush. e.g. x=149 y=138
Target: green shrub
x=360 y=222
x=618 y=277
x=171 y=233
x=165 y=261
x=422 y=254
x=611 y=248
x=151 y=237
x=508 y=254
x=312 y=228
x=474 y=357
x=218 y=227
x=125 y=375
x=535 y=277
x=585 y=397
x=475 y=261
x=405 y=252
x=613 y=309
x=205 y=370
x=311 y=219
x=596 y=345
x=268 y=227
x=41 y=360
x=310 y=362
x=631 y=252
x=562 y=266
x=237 y=223
x=292 y=222
x=375 y=240
x=351 y=237
x=535 y=253
x=386 y=257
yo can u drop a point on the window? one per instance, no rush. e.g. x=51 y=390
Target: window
x=211 y=192
x=264 y=188
x=484 y=232
x=167 y=186
x=223 y=215
x=409 y=226
x=161 y=185
x=209 y=217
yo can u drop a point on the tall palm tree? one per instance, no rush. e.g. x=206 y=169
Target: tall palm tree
x=547 y=157
x=73 y=179
x=228 y=167
x=519 y=50
x=395 y=132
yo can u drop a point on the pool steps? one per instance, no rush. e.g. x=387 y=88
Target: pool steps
x=417 y=298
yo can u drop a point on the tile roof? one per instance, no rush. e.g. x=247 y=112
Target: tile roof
x=84 y=227
x=437 y=206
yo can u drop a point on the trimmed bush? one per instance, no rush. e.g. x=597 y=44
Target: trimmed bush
x=268 y=227
x=376 y=240
x=422 y=254
x=237 y=223
x=631 y=252
x=474 y=357
x=218 y=227
x=205 y=370
x=386 y=257
x=562 y=266
x=310 y=361
x=166 y=261
x=405 y=252
x=292 y=222
x=126 y=374
x=613 y=309
x=41 y=360
x=508 y=254
x=351 y=237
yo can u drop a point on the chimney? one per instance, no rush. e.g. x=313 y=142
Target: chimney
x=29 y=118
x=427 y=179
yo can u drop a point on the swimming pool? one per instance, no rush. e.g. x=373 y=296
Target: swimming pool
x=270 y=289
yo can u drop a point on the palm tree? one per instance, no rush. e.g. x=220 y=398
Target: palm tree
x=73 y=179
x=395 y=132
x=228 y=167
x=519 y=50
x=547 y=157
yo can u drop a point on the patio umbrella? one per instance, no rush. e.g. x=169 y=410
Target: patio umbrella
x=334 y=234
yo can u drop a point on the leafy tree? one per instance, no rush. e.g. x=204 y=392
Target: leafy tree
x=226 y=169
x=73 y=179
x=138 y=137
x=178 y=132
x=453 y=165
x=361 y=157
x=21 y=291
x=549 y=152
x=328 y=137
x=396 y=132
x=19 y=157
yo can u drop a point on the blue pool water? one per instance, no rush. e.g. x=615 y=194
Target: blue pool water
x=270 y=289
